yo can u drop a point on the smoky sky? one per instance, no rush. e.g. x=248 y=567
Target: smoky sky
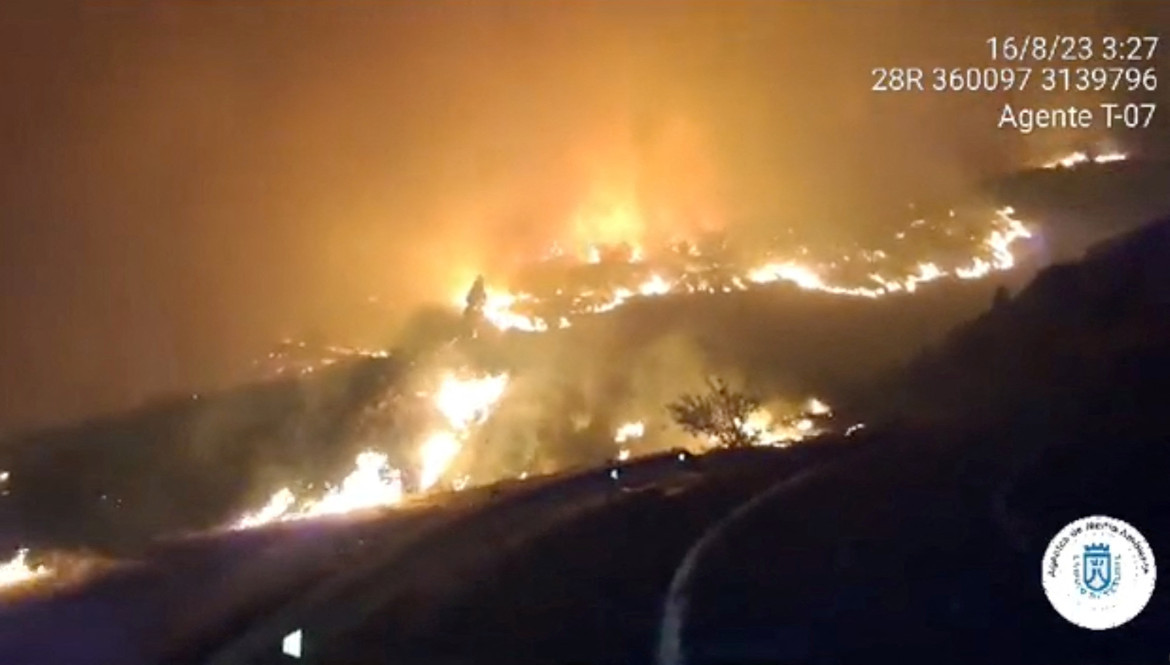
x=181 y=184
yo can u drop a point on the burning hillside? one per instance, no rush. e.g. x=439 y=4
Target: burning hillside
x=479 y=411
x=605 y=278
x=560 y=288
x=17 y=571
x=29 y=574
x=776 y=425
x=602 y=277
x=462 y=402
x=468 y=403
x=292 y=357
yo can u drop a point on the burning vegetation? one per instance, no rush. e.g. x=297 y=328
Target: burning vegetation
x=458 y=396
x=463 y=402
x=560 y=289
x=1075 y=159
x=722 y=418
x=478 y=410
x=18 y=572
x=608 y=277
x=730 y=418
x=28 y=574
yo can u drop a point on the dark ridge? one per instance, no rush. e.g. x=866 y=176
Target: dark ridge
x=1099 y=325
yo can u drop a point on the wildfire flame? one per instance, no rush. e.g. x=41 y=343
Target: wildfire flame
x=436 y=454
x=467 y=402
x=1074 y=159
x=992 y=253
x=462 y=403
x=16 y=572
x=292 y=357
x=498 y=310
x=628 y=431
x=373 y=483
x=817 y=408
x=769 y=430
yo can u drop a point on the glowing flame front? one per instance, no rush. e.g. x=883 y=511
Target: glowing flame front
x=992 y=252
x=372 y=484
x=769 y=430
x=17 y=572
x=436 y=454
x=467 y=402
x=462 y=404
x=628 y=431
x=1074 y=159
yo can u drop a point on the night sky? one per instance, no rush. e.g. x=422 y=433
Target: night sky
x=182 y=184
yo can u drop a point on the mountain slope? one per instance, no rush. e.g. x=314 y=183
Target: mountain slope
x=928 y=547
x=1087 y=328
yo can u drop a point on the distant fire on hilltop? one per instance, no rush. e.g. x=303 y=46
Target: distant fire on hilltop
x=1074 y=159
x=563 y=285
x=297 y=357
x=925 y=251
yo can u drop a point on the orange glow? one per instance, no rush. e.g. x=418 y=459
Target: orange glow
x=17 y=572
x=989 y=254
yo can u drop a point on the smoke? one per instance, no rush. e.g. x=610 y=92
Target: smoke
x=184 y=184
x=566 y=412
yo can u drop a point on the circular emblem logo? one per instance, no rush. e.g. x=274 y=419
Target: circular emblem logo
x=1099 y=572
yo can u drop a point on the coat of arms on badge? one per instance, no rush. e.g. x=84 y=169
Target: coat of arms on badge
x=1097 y=568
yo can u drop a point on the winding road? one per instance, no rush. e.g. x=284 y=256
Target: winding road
x=570 y=567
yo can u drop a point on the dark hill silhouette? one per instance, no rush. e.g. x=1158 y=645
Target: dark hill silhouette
x=1097 y=325
x=1085 y=204
x=927 y=546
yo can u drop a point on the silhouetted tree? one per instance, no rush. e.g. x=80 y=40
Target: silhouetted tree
x=720 y=414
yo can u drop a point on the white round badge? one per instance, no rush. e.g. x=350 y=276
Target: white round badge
x=1099 y=572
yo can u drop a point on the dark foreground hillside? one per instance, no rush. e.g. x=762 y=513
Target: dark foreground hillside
x=1048 y=408
x=1094 y=329
x=1088 y=203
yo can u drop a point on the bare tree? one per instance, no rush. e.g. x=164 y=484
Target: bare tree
x=720 y=414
